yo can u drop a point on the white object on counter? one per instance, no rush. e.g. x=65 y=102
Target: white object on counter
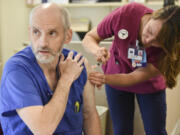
x=59 y=1
x=102 y=111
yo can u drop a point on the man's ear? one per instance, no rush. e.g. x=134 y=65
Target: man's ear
x=68 y=37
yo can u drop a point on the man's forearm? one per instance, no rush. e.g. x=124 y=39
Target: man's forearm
x=53 y=112
x=43 y=120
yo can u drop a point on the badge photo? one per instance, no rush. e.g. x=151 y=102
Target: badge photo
x=123 y=34
x=140 y=52
x=131 y=53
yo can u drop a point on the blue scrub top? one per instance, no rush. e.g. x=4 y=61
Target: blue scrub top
x=23 y=84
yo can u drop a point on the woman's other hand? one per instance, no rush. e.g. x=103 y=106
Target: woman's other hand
x=102 y=55
x=97 y=78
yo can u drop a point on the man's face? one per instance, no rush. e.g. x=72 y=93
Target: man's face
x=47 y=36
x=150 y=32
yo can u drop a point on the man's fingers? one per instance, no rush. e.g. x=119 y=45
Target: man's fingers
x=61 y=58
x=77 y=57
x=81 y=61
x=70 y=55
x=81 y=68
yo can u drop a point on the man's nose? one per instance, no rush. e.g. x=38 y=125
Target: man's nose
x=43 y=41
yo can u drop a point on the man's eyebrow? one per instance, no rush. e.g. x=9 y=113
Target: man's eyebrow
x=34 y=27
x=53 y=29
x=48 y=30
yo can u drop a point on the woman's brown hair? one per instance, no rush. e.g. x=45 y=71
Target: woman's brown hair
x=169 y=38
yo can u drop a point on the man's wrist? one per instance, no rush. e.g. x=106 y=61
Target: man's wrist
x=65 y=79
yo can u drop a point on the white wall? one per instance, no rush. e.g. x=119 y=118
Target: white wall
x=14 y=23
x=173 y=107
x=0 y=40
x=0 y=26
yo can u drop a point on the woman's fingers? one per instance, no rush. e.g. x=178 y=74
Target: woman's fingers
x=102 y=55
x=96 y=83
x=97 y=78
x=99 y=87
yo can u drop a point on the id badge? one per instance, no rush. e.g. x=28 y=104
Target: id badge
x=136 y=54
x=140 y=63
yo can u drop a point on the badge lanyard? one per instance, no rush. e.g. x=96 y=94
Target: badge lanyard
x=137 y=55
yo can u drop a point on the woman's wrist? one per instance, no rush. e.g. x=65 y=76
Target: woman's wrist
x=106 y=78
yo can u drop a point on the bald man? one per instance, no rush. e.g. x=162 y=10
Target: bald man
x=44 y=88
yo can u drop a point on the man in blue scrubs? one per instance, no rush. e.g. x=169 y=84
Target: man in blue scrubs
x=44 y=88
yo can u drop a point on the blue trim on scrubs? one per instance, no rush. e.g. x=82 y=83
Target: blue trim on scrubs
x=23 y=84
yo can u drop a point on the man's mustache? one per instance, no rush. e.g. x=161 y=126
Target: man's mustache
x=48 y=50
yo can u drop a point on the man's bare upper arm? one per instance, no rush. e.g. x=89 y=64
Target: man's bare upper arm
x=89 y=93
x=91 y=123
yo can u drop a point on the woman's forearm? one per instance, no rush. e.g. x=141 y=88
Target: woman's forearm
x=123 y=80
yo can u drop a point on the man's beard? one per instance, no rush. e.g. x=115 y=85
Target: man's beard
x=45 y=59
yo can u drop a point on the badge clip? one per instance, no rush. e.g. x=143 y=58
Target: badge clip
x=76 y=107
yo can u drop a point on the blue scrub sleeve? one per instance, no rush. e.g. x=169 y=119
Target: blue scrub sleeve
x=18 y=91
